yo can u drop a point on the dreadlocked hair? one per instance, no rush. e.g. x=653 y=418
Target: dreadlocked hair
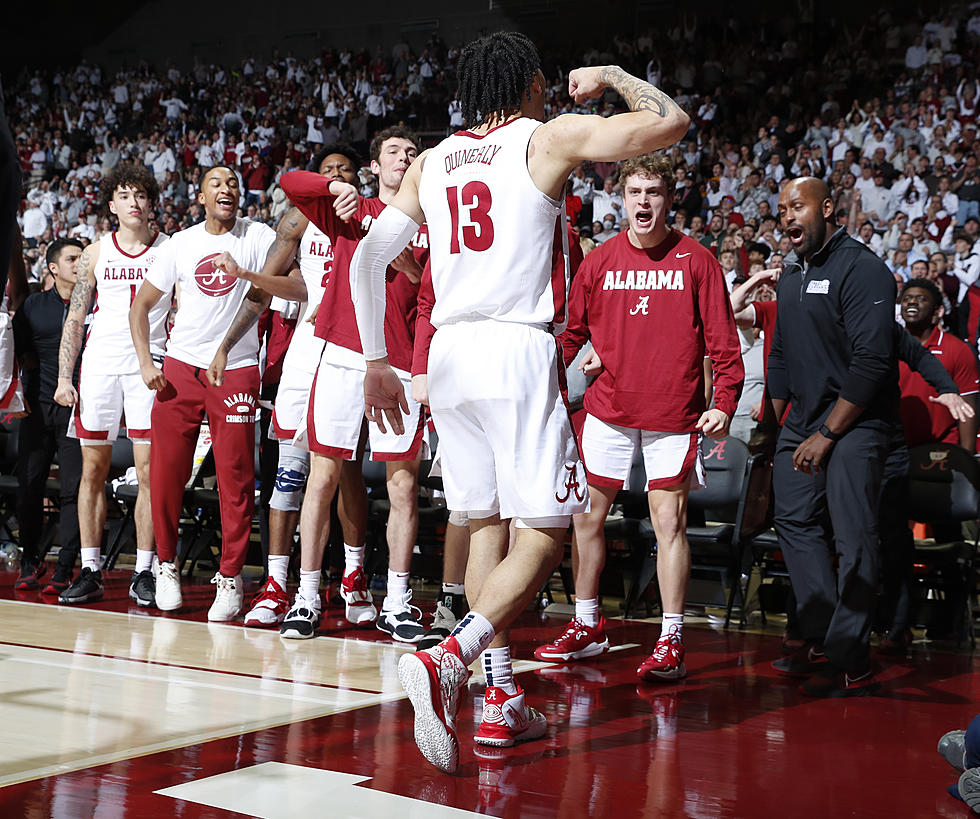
x=494 y=74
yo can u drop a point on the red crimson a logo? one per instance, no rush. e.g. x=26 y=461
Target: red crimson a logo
x=571 y=485
x=213 y=282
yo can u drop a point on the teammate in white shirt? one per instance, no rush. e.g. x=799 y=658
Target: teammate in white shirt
x=296 y=238
x=110 y=271
x=209 y=301
x=491 y=200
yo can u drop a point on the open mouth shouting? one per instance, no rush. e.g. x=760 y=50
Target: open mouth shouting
x=643 y=219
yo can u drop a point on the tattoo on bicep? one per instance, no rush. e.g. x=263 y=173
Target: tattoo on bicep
x=73 y=329
x=639 y=95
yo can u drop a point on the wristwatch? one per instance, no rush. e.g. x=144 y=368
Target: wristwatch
x=832 y=436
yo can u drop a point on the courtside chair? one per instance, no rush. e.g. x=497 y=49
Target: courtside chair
x=944 y=491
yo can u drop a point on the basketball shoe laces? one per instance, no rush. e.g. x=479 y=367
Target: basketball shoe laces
x=664 y=644
x=575 y=630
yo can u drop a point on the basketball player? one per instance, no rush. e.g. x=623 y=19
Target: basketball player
x=491 y=197
x=297 y=239
x=653 y=302
x=110 y=272
x=334 y=417
x=209 y=301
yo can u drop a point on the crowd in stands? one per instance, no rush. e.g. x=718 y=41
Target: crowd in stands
x=885 y=113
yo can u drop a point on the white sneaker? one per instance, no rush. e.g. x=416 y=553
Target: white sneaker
x=302 y=620
x=228 y=598
x=168 y=596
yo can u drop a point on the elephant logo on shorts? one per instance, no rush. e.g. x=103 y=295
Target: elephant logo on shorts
x=571 y=485
x=213 y=282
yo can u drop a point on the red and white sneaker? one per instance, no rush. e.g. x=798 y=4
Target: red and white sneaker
x=666 y=662
x=359 y=606
x=507 y=720
x=576 y=642
x=434 y=680
x=268 y=607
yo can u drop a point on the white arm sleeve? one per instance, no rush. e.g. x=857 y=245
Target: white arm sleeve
x=388 y=236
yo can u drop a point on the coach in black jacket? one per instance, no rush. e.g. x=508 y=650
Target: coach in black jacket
x=833 y=356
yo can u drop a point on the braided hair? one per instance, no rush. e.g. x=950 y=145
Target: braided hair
x=494 y=74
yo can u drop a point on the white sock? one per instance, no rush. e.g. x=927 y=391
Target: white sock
x=91 y=558
x=309 y=584
x=453 y=588
x=144 y=560
x=498 y=669
x=473 y=633
x=587 y=611
x=397 y=591
x=279 y=569
x=353 y=558
x=670 y=623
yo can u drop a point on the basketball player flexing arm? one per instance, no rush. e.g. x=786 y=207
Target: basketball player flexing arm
x=491 y=197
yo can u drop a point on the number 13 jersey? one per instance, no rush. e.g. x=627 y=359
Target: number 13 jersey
x=486 y=220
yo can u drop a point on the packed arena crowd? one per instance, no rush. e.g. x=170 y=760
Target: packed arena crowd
x=243 y=194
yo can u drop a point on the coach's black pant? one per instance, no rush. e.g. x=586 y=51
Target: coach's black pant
x=834 y=609
x=42 y=433
x=897 y=545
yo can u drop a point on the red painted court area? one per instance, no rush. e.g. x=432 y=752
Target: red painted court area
x=732 y=740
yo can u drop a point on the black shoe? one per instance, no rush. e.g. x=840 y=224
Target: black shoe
x=807 y=659
x=143 y=588
x=30 y=576
x=832 y=682
x=59 y=581
x=402 y=624
x=87 y=587
x=449 y=611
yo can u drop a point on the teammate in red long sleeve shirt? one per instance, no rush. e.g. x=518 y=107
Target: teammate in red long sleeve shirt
x=654 y=303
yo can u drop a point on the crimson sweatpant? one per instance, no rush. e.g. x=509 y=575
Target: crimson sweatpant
x=176 y=421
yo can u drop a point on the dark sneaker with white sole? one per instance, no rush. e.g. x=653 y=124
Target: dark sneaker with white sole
x=834 y=683
x=143 y=588
x=86 y=587
x=807 y=659
x=404 y=625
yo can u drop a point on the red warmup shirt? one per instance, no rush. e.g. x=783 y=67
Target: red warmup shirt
x=925 y=421
x=652 y=316
x=335 y=321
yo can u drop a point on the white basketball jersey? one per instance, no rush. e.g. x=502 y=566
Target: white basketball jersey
x=315 y=256
x=498 y=245
x=109 y=348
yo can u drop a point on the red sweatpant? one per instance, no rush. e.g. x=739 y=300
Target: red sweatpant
x=176 y=421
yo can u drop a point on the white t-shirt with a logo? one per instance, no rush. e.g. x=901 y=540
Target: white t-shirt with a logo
x=208 y=298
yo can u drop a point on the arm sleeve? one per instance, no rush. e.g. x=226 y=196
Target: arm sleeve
x=923 y=362
x=721 y=338
x=389 y=234
x=867 y=302
x=423 y=324
x=576 y=333
x=310 y=192
x=23 y=338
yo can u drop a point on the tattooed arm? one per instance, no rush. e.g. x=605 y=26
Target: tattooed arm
x=654 y=121
x=255 y=303
x=73 y=330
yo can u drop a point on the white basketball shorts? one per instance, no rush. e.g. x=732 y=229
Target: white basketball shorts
x=103 y=399
x=670 y=458
x=503 y=426
x=335 y=413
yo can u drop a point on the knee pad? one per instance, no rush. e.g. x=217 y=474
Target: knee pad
x=294 y=466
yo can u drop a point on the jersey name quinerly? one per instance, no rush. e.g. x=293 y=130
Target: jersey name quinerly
x=644 y=280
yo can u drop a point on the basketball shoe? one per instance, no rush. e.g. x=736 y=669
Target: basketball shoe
x=268 y=607
x=302 y=620
x=577 y=642
x=359 y=608
x=666 y=662
x=507 y=720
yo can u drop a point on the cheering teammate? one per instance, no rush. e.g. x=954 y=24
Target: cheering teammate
x=110 y=272
x=209 y=301
x=491 y=197
x=334 y=416
x=654 y=303
x=296 y=239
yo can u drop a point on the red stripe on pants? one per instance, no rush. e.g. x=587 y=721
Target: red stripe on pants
x=176 y=421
